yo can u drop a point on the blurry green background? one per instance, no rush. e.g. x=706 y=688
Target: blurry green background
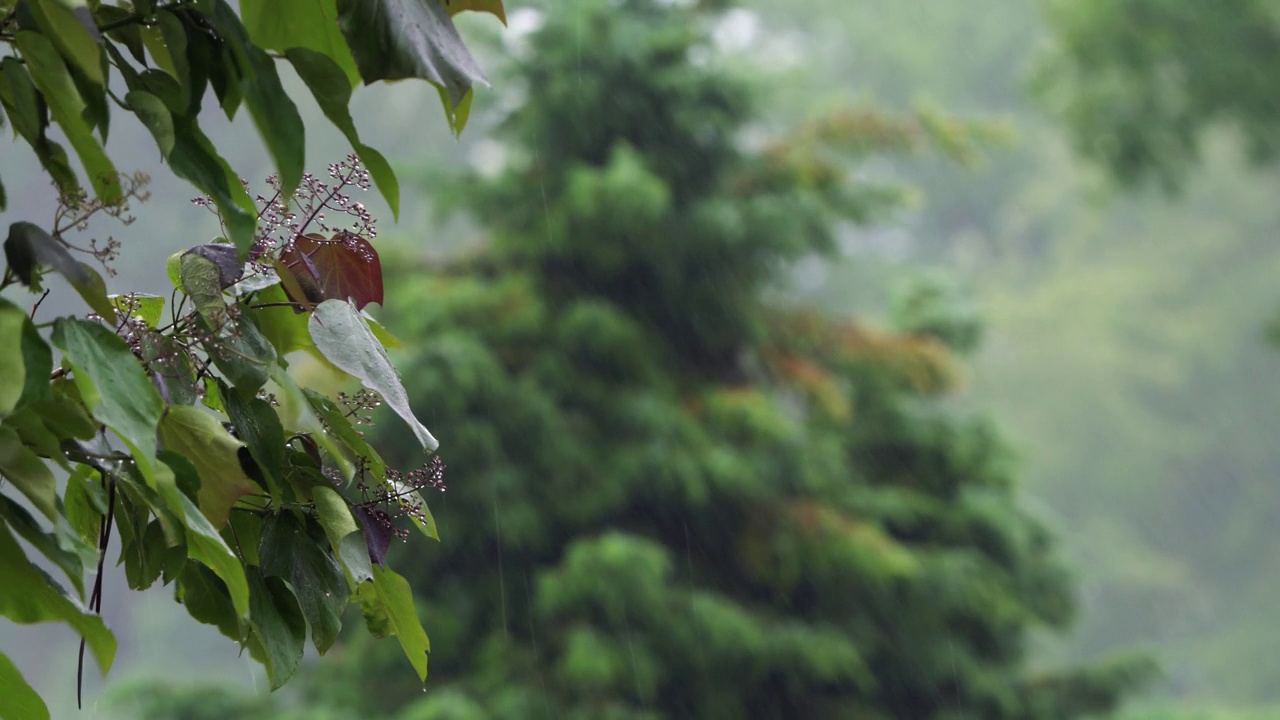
x=1124 y=356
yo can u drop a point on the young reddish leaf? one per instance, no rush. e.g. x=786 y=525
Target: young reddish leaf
x=343 y=267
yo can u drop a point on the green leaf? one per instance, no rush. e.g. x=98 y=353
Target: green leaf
x=201 y=439
x=283 y=25
x=273 y=113
x=176 y=63
x=402 y=39
x=28 y=112
x=12 y=363
x=289 y=552
x=201 y=280
x=155 y=116
x=345 y=536
x=18 y=701
x=144 y=306
x=206 y=545
x=62 y=549
x=85 y=503
x=74 y=32
x=383 y=335
x=29 y=247
x=258 y=425
x=285 y=328
x=171 y=368
x=67 y=108
x=22 y=467
x=27 y=596
x=332 y=92
x=279 y=630
x=387 y=604
x=206 y=598
x=195 y=160
x=489 y=6
x=297 y=416
x=243 y=355
x=340 y=426
x=341 y=334
x=146 y=555
x=105 y=368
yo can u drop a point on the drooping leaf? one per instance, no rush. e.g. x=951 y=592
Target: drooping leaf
x=279 y=629
x=67 y=108
x=62 y=549
x=155 y=116
x=312 y=25
x=104 y=368
x=387 y=604
x=206 y=545
x=288 y=551
x=225 y=259
x=273 y=113
x=12 y=362
x=343 y=267
x=29 y=114
x=332 y=91
x=402 y=39
x=378 y=532
x=27 y=596
x=73 y=32
x=201 y=279
x=195 y=160
x=342 y=335
x=201 y=439
x=19 y=700
x=257 y=424
x=27 y=472
x=345 y=536
x=206 y=598
x=29 y=247
x=85 y=503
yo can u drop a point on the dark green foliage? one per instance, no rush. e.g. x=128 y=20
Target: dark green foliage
x=669 y=498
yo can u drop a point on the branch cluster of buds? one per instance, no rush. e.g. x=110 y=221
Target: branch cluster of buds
x=398 y=495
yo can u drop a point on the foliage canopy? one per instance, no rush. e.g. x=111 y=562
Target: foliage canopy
x=177 y=424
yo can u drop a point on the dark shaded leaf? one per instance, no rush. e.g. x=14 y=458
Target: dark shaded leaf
x=343 y=267
x=279 y=630
x=206 y=598
x=378 y=531
x=29 y=247
x=257 y=424
x=273 y=113
x=288 y=551
x=195 y=160
x=401 y=39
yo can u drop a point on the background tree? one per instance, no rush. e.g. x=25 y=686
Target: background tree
x=680 y=499
x=1139 y=82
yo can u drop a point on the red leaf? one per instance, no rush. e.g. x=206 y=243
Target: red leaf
x=345 y=266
